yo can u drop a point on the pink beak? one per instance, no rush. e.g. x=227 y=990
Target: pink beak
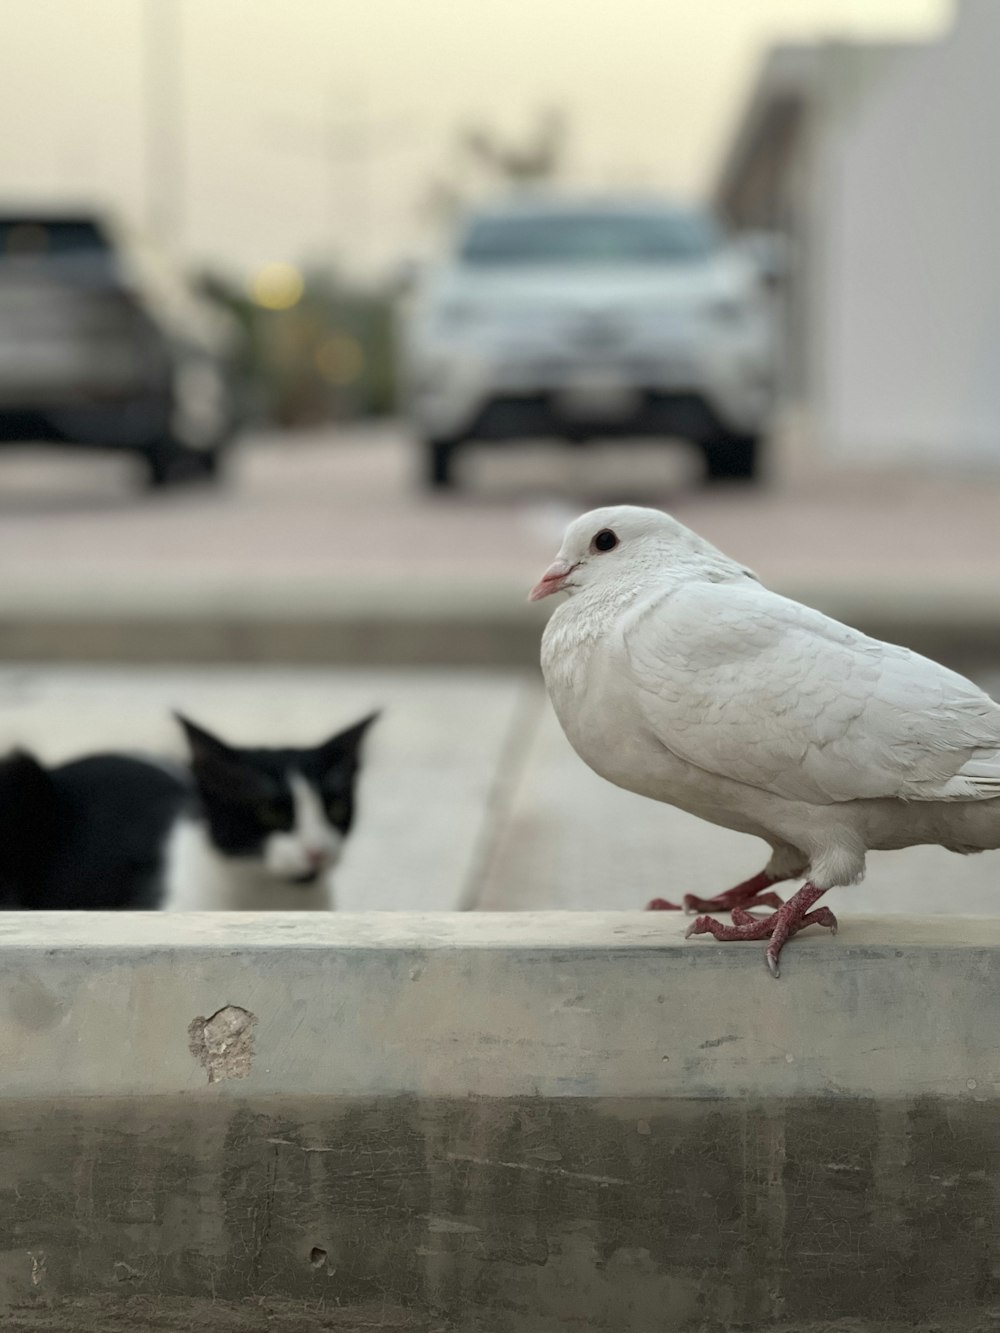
x=551 y=581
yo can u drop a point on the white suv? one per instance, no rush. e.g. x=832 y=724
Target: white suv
x=587 y=318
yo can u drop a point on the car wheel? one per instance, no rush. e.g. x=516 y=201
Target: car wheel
x=161 y=465
x=169 y=463
x=731 y=457
x=208 y=465
x=439 y=458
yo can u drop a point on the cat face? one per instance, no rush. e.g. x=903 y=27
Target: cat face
x=290 y=809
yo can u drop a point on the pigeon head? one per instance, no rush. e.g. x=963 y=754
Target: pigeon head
x=616 y=542
x=607 y=544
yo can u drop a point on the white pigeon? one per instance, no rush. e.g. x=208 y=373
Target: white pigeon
x=677 y=675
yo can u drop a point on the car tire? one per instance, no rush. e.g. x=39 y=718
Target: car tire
x=730 y=457
x=161 y=466
x=209 y=464
x=169 y=463
x=439 y=463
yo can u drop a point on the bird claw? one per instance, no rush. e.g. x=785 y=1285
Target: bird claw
x=821 y=917
x=726 y=902
x=741 y=917
x=779 y=927
x=697 y=927
x=691 y=905
x=752 y=893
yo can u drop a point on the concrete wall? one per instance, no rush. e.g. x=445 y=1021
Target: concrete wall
x=908 y=322
x=491 y=628
x=490 y=1123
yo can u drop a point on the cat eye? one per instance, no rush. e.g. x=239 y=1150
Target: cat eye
x=606 y=540
x=337 y=810
x=273 y=816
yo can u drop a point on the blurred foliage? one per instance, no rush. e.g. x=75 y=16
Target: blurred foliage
x=483 y=160
x=328 y=357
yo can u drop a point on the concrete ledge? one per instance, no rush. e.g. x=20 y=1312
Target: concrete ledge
x=506 y=1004
x=495 y=1124
x=318 y=621
x=386 y=623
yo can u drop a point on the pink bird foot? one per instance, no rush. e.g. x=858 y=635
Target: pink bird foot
x=788 y=920
x=751 y=893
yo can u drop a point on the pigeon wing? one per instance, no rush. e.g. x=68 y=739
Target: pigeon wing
x=754 y=687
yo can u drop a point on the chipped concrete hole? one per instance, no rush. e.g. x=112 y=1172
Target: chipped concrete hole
x=223 y=1043
x=320 y=1260
x=38 y=1267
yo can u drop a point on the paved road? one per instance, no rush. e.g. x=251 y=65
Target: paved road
x=471 y=795
x=343 y=508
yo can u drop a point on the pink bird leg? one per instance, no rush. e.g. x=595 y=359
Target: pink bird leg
x=788 y=920
x=751 y=893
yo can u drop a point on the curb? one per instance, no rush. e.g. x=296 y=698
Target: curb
x=309 y=623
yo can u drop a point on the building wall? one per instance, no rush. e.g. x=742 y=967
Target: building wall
x=906 y=341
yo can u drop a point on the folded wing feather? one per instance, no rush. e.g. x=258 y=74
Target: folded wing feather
x=751 y=686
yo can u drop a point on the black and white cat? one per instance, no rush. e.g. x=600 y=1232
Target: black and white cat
x=270 y=824
x=90 y=834
x=244 y=830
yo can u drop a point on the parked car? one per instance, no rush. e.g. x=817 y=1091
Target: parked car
x=579 y=319
x=104 y=343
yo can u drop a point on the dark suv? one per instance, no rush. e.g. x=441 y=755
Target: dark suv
x=104 y=344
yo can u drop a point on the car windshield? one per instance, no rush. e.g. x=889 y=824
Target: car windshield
x=25 y=236
x=591 y=237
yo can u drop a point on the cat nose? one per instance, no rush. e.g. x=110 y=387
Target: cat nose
x=317 y=857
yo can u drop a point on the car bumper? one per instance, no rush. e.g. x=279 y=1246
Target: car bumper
x=687 y=415
x=466 y=396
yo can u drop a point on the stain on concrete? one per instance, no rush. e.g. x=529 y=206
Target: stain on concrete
x=522 y=1215
x=32 y=1005
x=135 y=1314
x=223 y=1043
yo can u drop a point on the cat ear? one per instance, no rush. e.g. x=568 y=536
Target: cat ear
x=346 y=744
x=202 y=744
x=218 y=768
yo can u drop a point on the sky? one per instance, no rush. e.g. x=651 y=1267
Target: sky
x=252 y=131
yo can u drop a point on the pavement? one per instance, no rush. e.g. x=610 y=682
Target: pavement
x=471 y=798
x=323 y=548
x=324 y=551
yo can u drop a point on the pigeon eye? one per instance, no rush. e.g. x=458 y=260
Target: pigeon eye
x=605 y=540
